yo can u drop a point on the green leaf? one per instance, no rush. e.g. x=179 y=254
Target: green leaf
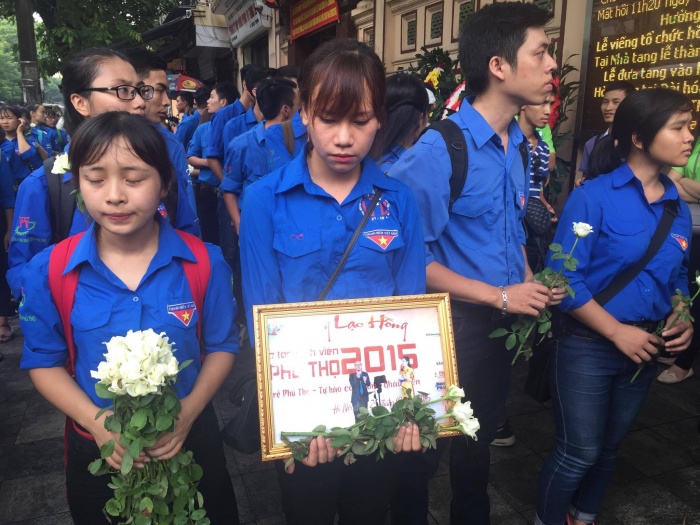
x=196 y=473
x=559 y=256
x=164 y=423
x=135 y=448
x=102 y=391
x=319 y=428
x=102 y=411
x=127 y=463
x=160 y=507
x=510 y=341
x=544 y=328
x=379 y=411
x=555 y=247
x=146 y=504
x=185 y=364
x=94 y=467
x=342 y=441
x=570 y=291
x=198 y=514
x=181 y=520
x=107 y=449
x=140 y=418
x=113 y=425
x=112 y=508
x=498 y=332
x=389 y=444
x=570 y=265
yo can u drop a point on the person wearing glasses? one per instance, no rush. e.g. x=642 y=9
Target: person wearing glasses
x=95 y=81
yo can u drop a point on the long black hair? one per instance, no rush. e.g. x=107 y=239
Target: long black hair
x=78 y=74
x=406 y=105
x=642 y=113
x=96 y=135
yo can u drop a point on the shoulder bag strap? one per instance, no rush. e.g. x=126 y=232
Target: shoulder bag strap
x=657 y=240
x=351 y=245
x=197 y=274
x=288 y=136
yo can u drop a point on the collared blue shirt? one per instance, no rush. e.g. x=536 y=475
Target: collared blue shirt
x=390 y=158
x=187 y=219
x=481 y=237
x=105 y=307
x=52 y=140
x=247 y=162
x=216 y=147
x=196 y=149
x=623 y=223
x=293 y=234
x=185 y=129
x=237 y=126
x=21 y=164
x=43 y=138
x=274 y=137
x=7 y=185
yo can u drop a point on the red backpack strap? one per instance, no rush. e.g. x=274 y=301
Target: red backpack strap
x=197 y=274
x=63 y=289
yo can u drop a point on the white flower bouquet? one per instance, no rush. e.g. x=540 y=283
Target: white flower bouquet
x=138 y=375
x=375 y=430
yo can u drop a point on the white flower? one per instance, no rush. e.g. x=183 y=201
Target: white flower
x=470 y=428
x=137 y=364
x=697 y=280
x=581 y=229
x=464 y=416
x=61 y=165
x=454 y=393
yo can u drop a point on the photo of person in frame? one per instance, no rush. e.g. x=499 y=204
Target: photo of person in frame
x=406 y=377
x=359 y=382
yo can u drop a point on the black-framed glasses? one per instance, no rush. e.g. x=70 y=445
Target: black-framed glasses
x=127 y=92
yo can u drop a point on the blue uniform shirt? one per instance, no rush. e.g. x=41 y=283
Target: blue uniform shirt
x=623 y=223
x=293 y=234
x=390 y=158
x=105 y=307
x=185 y=129
x=7 y=185
x=246 y=162
x=52 y=140
x=216 y=147
x=21 y=164
x=43 y=138
x=274 y=137
x=187 y=219
x=196 y=149
x=481 y=237
x=237 y=126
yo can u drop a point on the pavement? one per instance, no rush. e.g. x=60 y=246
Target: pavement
x=657 y=481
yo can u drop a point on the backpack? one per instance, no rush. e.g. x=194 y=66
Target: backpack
x=63 y=287
x=61 y=202
x=459 y=157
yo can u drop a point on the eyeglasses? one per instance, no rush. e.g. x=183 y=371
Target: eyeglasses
x=126 y=92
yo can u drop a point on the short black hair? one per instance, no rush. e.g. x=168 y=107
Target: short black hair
x=201 y=96
x=187 y=97
x=227 y=91
x=145 y=61
x=272 y=94
x=620 y=85
x=256 y=75
x=289 y=72
x=495 y=30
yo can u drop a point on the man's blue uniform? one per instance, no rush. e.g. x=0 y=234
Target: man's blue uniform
x=199 y=140
x=43 y=138
x=185 y=129
x=293 y=234
x=247 y=161
x=279 y=155
x=480 y=237
x=216 y=147
x=21 y=164
x=105 y=307
x=237 y=126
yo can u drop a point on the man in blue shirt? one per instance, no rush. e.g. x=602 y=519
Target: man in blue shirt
x=475 y=246
x=247 y=121
x=248 y=155
x=184 y=103
x=150 y=69
x=207 y=197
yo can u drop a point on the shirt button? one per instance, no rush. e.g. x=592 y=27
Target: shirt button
x=336 y=261
x=647 y=290
x=339 y=218
x=135 y=299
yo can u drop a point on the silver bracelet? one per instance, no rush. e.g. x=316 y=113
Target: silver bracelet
x=504 y=296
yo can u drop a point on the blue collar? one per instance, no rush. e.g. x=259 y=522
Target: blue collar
x=624 y=174
x=170 y=245
x=250 y=117
x=481 y=131
x=259 y=132
x=298 y=126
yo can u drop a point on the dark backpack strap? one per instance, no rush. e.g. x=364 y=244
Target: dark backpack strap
x=657 y=240
x=197 y=274
x=288 y=136
x=63 y=289
x=525 y=155
x=61 y=202
x=459 y=157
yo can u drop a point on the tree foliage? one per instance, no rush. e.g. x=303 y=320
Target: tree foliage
x=70 y=25
x=11 y=78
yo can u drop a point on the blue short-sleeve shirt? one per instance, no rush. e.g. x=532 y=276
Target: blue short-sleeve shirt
x=21 y=164
x=481 y=237
x=274 y=137
x=237 y=126
x=216 y=147
x=246 y=162
x=186 y=127
x=196 y=149
x=105 y=307
x=293 y=234
x=623 y=223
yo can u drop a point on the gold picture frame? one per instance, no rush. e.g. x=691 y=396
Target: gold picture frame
x=306 y=354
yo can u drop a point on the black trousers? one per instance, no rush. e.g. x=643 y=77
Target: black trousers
x=207 y=201
x=358 y=493
x=88 y=494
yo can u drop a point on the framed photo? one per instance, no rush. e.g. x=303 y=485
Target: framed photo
x=317 y=363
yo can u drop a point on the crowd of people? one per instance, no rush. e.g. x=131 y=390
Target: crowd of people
x=276 y=179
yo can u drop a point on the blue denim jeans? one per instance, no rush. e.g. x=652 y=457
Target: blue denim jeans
x=594 y=406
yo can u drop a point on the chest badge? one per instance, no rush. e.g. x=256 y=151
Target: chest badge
x=183 y=311
x=522 y=199
x=681 y=240
x=382 y=238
